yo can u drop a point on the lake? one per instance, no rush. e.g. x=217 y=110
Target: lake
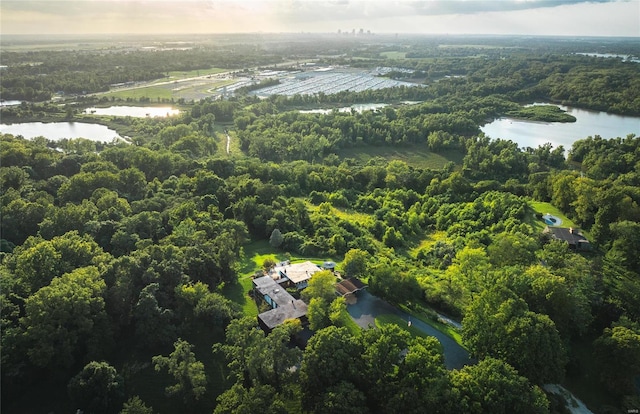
x=134 y=111
x=56 y=131
x=588 y=123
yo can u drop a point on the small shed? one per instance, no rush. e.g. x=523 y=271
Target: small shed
x=329 y=265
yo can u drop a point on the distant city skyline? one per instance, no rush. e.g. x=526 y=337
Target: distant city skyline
x=501 y=17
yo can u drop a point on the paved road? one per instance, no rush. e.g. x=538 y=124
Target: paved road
x=367 y=307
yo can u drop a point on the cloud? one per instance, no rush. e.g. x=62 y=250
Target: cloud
x=227 y=16
x=440 y=7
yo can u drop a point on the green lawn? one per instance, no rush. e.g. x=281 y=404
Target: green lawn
x=414 y=155
x=151 y=92
x=390 y=319
x=347 y=321
x=393 y=55
x=423 y=313
x=544 y=208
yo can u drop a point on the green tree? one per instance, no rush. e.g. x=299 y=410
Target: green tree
x=422 y=380
x=185 y=369
x=492 y=386
x=317 y=314
x=618 y=354
x=256 y=399
x=276 y=238
x=97 y=388
x=242 y=336
x=321 y=285
x=499 y=324
x=154 y=324
x=332 y=356
x=356 y=263
x=271 y=359
x=135 y=406
x=67 y=319
x=342 y=398
x=512 y=249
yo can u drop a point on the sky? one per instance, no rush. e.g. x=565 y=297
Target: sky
x=522 y=17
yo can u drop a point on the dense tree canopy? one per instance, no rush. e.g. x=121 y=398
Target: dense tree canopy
x=113 y=253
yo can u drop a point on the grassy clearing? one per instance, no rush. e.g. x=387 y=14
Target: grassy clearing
x=428 y=241
x=151 y=92
x=544 y=208
x=413 y=155
x=390 y=319
x=393 y=55
x=348 y=215
x=239 y=293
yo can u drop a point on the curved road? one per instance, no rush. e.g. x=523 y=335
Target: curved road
x=367 y=307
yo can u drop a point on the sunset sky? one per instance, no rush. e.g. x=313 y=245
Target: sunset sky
x=530 y=17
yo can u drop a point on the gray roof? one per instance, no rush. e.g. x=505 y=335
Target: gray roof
x=292 y=310
x=267 y=286
x=570 y=235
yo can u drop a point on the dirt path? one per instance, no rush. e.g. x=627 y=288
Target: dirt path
x=228 y=143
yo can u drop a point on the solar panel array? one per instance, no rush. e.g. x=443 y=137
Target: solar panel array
x=330 y=83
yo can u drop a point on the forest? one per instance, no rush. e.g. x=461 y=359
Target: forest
x=125 y=273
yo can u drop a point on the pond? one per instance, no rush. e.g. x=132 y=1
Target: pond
x=134 y=111
x=10 y=103
x=59 y=130
x=588 y=123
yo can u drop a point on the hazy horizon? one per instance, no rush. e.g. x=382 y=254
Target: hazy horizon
x=611 y=18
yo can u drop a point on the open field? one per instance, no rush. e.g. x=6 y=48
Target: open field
x=393 y=55
x=187 y=90
x=413 y=155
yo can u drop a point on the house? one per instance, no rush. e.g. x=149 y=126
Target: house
x=573 y=237
x=283 y=305
x=297 y=274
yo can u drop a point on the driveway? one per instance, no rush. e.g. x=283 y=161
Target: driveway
x=367 y=307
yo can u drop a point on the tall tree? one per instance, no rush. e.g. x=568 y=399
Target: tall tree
x=98 y=388
x=499 y=324
x=67 y=319
x=492 y=386
x=185 y=369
